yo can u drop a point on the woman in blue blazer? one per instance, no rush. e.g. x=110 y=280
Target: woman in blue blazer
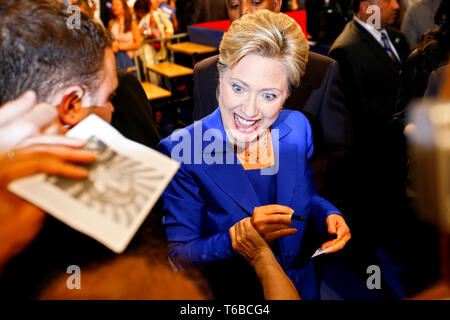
x=249 y=158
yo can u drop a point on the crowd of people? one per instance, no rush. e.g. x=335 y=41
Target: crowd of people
x=309 y=152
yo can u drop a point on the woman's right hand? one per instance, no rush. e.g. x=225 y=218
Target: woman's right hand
x=246 y=241
x=273 y=221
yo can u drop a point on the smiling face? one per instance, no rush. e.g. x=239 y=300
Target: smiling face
x=252 y=94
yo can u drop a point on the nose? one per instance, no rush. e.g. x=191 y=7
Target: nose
x=250 y=108
x=395 y=5
x=245 y=8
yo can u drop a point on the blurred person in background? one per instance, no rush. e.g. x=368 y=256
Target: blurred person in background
x=418 y=19
x=431 y=53
x=126 y=35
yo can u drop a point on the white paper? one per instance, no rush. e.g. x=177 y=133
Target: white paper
x=124 y=184
x=320 y=251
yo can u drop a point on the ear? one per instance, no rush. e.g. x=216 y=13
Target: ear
x=277 y=5
x=70 y=109
x=363 y=5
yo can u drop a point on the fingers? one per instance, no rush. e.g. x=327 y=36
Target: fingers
x=286 y=221
x=332 y=228
x=14 y=109
x=343 y=235
x=53 y=140
x=272 y=209
x=270 y=237
x=39 y=163
x=267 y=228
x=27 y=125
x=61 y=152
x=252 y=234
x=337 y=244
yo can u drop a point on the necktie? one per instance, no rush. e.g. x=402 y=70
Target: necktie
x=388 y=48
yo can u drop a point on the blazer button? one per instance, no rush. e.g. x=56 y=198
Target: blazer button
x=203 y=256
x=290 y=254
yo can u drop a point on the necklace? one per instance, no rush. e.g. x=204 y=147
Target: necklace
x=259 y=155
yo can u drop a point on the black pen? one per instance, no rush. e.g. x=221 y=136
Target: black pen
x=295 y=217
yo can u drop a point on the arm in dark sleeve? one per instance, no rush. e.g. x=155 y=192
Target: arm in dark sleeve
x=320 y=208
x=132 y=111
x=334 y=116
x=206 y=79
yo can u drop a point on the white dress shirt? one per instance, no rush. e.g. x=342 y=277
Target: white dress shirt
x=377 y=35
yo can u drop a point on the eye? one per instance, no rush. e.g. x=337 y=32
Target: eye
x=269 y=96
x=256 y=3
x=237 y=88
x=234 y=4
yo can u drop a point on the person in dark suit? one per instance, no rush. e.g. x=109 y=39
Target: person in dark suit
x=370 y=75
x=371 y=78
x=371 y=57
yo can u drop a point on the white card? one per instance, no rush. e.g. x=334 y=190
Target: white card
x=124 y=184
x=320 y=251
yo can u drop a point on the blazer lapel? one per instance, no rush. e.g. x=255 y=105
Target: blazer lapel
x=231 y=178
x=286 y=162
x=399 y=45
x=376 y=48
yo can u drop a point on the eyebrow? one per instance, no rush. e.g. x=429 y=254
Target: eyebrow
x=263 y=89
x=243 y=82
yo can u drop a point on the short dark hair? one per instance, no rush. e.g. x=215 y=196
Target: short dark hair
x=39 y=52
x=355 y=5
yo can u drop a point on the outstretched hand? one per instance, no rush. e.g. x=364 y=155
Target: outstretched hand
x=336 y=225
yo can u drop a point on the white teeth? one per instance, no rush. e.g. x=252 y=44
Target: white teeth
x=244 y=122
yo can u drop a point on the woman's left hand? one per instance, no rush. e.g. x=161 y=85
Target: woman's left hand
x=336 y=225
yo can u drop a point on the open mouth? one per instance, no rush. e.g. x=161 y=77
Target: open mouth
x=245 y=125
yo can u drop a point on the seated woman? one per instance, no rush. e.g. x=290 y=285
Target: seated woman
x=153 y=24
x=126 y=34
x=249 y=159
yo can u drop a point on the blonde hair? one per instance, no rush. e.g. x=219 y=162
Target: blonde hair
x=267 y=34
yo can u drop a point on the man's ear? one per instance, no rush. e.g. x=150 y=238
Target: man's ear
x=70 y=109
x=277 y=7
x=363 y=5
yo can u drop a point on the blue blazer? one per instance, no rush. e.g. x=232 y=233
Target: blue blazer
x=204 y=200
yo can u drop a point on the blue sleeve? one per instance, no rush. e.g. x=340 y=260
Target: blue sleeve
x=185 y=211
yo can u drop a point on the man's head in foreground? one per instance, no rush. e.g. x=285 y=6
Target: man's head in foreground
x=237 y=8
x=73 y=69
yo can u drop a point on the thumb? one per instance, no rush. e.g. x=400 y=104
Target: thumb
x=332 y=228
